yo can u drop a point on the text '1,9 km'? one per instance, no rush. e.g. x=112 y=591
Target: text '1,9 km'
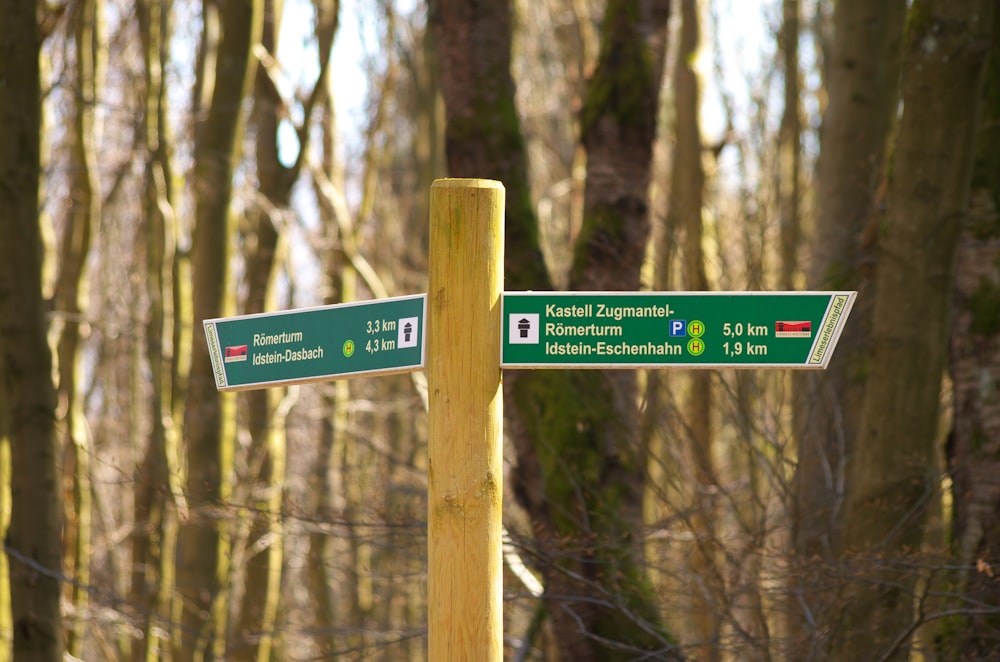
x=672 y=329
x=539 y=330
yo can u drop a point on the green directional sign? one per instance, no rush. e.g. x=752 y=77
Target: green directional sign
x=672 y=329
x=318 y=344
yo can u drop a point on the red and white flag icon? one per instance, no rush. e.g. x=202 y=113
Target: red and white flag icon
x=236 y=353
x=793 y=329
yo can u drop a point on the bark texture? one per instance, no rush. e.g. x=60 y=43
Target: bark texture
x=891 y=477
x=581 y=428
x=155 y=537
x=71 y=299
x=483 y=133
x=579 y=473
x=974 y=365
x=27 y=392
x=701 y=586
x=202 y=558
x=862 y=88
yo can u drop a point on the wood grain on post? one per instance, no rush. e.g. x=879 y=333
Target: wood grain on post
x=465 y=474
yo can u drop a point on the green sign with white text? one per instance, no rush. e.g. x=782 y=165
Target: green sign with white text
x=672 y=329
x=378 y=337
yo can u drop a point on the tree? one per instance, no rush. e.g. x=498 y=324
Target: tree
x=266 y=409
x=890 y=476
x=27 y=393
x=156 y=491
x=482 y=132
x=579 y=464
x=972 y=449
x=861 y=86
x=684 y=220
x=339 y=287
x=202 y=559
x=789 y=164
x=70 y=302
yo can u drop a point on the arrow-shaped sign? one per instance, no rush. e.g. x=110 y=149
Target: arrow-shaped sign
x=672 y=329
x=378 y=337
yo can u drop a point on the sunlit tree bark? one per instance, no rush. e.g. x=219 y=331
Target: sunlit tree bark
x=202 y=558
x=32 y=540
x=266 y=408
x=891 y=479
x=6 y=627
x=71 y=304
x=339 y=285
x=265 y=462
x=685 y=218
x=154 y=540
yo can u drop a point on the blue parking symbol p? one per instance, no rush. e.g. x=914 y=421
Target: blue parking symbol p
x=678 y=328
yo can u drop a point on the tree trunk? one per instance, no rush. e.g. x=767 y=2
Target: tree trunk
x=339 y=284
x=202 y=560
x=586 y=438
x=699 y=585
x=265 y=462
x=71 y=306
x=6 y=626
x=862 y=89
x=600 y=451
x=579 y=470
x=483 y=133
x=974 y=445
x=789 y=148
x=153 y=543
x=891 y=478
x=28 y=395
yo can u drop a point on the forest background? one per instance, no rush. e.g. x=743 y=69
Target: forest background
x=160 y=164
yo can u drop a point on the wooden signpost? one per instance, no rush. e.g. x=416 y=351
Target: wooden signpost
x=471 y=329
x=464 y=445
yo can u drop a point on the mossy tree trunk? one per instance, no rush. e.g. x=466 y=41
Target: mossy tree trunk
x=482 y=131
x=593 y=472
x=891 y=477
x=203 y=551
x=32 y=540
x=579 y=472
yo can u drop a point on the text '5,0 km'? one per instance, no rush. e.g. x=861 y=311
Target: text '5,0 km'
x=668 y=329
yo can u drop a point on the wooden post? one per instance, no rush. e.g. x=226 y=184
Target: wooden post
x=465 y=472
